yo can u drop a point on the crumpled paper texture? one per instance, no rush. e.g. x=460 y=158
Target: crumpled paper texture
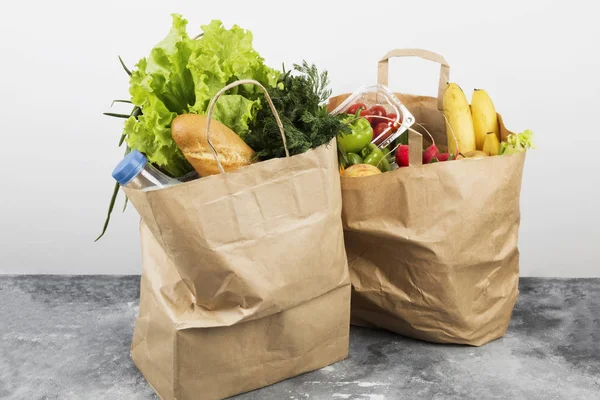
x=432 y=249
x=245 y=278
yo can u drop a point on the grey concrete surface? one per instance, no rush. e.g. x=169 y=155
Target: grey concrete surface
x=67 y=337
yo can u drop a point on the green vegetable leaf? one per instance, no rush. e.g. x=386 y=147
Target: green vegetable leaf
x=517 y=143
x=224 y=56
x=162 y=87
x=120 y=101
x=319 y=81
x=116 y=115
x=182 y=75
x=169 y=78
x=124 y=66
x=402 y=139
x=111 y=205
x=343 y=158
x=307 y=124
x=150 y=133
x=236 y=112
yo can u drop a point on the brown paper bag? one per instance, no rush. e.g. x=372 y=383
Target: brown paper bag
x=245 y=280
x=432 y=249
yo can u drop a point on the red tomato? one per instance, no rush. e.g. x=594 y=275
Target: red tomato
x=354 y=108
x=367 y=115
x=381 y=129
x=377 y=111
x=395 y=125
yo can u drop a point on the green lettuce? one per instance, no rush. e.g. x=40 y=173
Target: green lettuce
x=182 y=75
x=223 y=57
x=236 y=112
x=517 y=143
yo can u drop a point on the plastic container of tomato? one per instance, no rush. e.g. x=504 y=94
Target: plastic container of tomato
x=389 y=118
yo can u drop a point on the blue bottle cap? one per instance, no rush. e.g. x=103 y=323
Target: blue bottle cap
x=129 y=167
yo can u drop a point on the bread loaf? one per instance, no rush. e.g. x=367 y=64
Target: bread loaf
x=189 y=132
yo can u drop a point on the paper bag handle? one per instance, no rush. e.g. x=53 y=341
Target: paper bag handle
x=383 y=73
x=211 y=107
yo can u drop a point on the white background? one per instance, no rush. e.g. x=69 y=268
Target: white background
x=539 y=61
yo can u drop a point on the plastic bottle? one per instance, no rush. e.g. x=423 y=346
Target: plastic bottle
x=135 y=172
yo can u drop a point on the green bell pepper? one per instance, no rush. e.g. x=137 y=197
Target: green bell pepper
x=361 y=134
x=342 y=156
x=388 y=155
x=354 y=159
x=373 y=155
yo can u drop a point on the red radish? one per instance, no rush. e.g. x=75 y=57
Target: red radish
x=430 y=153
x=402 y=156
x=443 y=157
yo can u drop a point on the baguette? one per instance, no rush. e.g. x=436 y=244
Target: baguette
x=189 y=132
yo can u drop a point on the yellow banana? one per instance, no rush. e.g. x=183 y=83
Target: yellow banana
x=459 y=122
x=491 y=145
x=484 y=117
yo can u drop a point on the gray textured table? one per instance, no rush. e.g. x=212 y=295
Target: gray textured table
x=68 y=338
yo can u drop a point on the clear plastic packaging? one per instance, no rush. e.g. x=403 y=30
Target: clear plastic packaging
x=134 y=171
x=371 y=101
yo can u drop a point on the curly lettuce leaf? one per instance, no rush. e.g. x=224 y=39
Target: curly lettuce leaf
x=224 y=56
x=517 y=143
x=162 y=87
x=172 y=82
x=236 y=112
x=181 y=75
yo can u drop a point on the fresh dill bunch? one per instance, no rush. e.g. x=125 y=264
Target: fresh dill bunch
x=318 y=81
x=299 y=98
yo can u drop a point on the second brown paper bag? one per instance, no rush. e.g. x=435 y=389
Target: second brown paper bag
x=432 y=249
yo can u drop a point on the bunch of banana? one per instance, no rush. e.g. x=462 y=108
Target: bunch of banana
x=473 y=128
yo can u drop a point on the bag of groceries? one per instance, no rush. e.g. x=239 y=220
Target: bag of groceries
x=431 y=225
x=233 y=169
x=244 y=279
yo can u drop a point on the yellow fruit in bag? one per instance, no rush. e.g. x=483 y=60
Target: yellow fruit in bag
x=359 y=170
x=484 y=117
x=491 y=145
x=459 y=123
x=474 y=154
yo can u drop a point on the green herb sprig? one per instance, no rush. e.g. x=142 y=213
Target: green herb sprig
x=135 y=112
x=298 y=97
